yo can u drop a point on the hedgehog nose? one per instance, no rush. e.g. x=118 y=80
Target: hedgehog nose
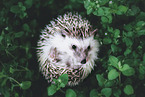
x=83 y=61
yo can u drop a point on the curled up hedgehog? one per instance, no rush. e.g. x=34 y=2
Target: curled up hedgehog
x=67 y=46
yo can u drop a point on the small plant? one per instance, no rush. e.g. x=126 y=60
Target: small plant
x=60 y=83
x=123 y=30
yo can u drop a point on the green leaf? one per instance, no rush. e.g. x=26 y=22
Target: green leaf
x=27 y=47
x=1 y=38
x=99 y=12
x=141 y=15
x=116 y=33
x=107 y=11
x=107 y=40
x=128 y=41
x=128 y=27
x=11 y=70
x=134 y=10
x=106 y=91
x=5 y=92
x=73 y=1
x=109 y=83
x=142 y=69
x=115 y=49
x=28 y=3
x=144 y=58
x=26 y=27
x=2 y=75
x=103 y=2
x=64 y=79
x=141 y=32
x=117 y=92
x=89 y=10
x=70 y=93
x=101 y=80
x=22 y=15
x=3 y=83
x=86 y=4
x=25 y=85
x=113 y=74
x=17 y=95
x=94 y=93
x=104 y=19
x=109 y=16
x=96 y=12
x=23 y=8
x=128 y=51
x=140 y=24
x=122 y=9
x=51 y=90
x=19 y=34
x=130 y=34
x=62 y=85
x=127 y=70
x=20 y=4
x=114 y=61
x=128 y=90
x=15 y=9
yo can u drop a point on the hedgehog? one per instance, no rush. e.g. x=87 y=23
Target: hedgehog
x=67 y=46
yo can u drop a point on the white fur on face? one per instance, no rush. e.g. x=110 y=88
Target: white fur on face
x=70 y=58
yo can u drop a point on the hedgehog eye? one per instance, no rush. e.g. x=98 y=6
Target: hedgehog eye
x=63 y=35
x=89 y=47
x=74 y=47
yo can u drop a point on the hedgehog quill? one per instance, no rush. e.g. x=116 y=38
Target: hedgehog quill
x=67 y=46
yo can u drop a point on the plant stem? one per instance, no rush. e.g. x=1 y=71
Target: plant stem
x=7 y=52
x=14 y=80
x=62 y=91
x=119 y=77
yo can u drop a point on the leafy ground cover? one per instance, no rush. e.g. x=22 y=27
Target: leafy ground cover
x=120 y=70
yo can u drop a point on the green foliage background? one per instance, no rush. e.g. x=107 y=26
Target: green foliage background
x=120 y=70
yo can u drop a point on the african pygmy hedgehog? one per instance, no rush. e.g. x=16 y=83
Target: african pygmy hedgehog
x=67 y=45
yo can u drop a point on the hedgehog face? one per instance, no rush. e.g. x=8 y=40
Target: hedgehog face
x=73 y=52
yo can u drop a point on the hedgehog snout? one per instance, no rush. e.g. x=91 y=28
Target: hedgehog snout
x=81 y=55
